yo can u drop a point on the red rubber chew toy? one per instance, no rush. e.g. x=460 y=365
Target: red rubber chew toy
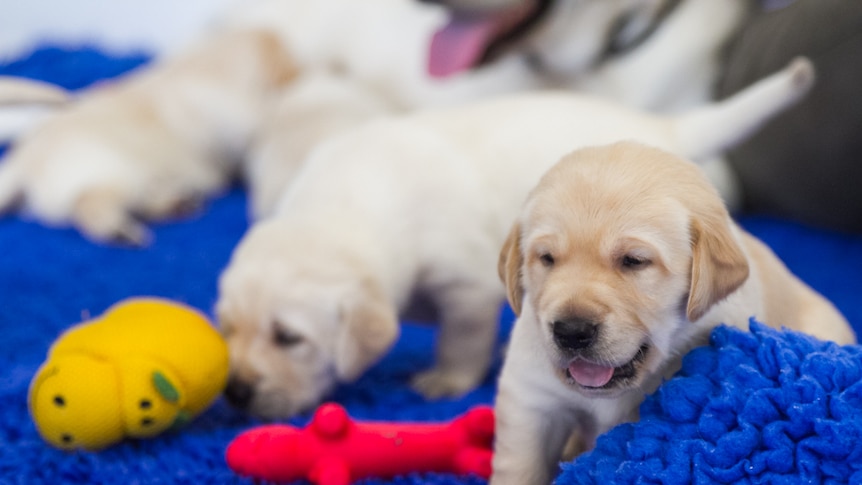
x=335 y=450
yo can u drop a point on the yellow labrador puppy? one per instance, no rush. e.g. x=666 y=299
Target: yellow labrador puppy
x=149 y=145
x=419 y=205
x=162 y=138
x=623 y=258
x=315 y=106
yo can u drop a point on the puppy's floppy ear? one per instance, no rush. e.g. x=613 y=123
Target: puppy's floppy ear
x=718 y=265
x=369 y=327
x=509 y=267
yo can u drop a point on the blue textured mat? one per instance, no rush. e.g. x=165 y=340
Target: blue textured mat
x=49 y=278
x=758 y=407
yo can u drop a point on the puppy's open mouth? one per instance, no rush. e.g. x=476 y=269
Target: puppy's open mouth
x=470 y=39
x=592 y=376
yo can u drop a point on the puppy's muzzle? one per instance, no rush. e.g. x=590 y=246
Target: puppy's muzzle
x=575 y=333
x=239 y=393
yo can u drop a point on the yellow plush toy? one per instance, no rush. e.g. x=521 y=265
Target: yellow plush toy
x=144 y=366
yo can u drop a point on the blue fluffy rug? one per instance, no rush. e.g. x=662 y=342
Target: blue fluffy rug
x=750 y=407
x=759 y=407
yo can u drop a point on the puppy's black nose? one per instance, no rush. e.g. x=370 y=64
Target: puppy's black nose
x=239 y=392
x=575 y=333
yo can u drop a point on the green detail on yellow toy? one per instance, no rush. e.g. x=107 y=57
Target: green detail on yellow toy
x=183 y=417
x=143 y=367
x=165 y=388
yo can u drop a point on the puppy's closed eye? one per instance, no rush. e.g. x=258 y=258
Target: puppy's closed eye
x=285 y=338
x=634 y=262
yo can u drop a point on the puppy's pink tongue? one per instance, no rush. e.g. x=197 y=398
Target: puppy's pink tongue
x=459 y=45
x=588 y=374
x=462 y=42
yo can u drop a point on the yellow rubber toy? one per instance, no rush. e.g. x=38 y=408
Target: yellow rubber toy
x=143 y=367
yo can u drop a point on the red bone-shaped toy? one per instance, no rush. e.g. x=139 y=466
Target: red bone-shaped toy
x=335 y=450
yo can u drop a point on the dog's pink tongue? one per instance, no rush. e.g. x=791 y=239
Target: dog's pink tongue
x=588 y=374
x=462 y=42
x=459 y=45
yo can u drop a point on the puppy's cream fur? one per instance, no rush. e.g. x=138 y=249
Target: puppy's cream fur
x=635 y=241
x=632 y=51
x=150 y=145
x=315 y=106
x=160 y=139
x=674 y=68
x=419 y=206
x=25 y=103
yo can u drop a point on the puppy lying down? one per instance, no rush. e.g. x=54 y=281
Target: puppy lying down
x=150 y=145
x=420 y=205
x=622 y=259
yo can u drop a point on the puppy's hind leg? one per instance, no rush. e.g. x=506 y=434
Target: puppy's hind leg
x=468 y=332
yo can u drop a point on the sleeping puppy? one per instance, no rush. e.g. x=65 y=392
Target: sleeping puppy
x=418 y=206
x=159 y=140
x=151 y=145
x=622 y=259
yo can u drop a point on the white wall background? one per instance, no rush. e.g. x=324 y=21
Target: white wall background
x=152 y=26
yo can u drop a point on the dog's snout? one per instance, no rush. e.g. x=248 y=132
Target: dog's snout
x=575 y=333
x=239 y=392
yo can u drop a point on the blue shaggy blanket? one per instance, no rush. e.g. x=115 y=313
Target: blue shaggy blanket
x=759 y=407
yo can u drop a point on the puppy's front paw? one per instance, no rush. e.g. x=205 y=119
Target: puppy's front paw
x=172 y=205
x=101 y=215
x=437 y=383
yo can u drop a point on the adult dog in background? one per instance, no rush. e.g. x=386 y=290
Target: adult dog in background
x=666 y=54
x=420 y=205
x=162 y=139
x=622 y=260
x=659 y=55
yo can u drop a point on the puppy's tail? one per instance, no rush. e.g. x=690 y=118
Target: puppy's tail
x=708 y=131
x=24 y=103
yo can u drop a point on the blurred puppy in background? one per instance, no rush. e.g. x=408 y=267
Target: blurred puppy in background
x=659 y=55
x=621 y=261
x=664 y=55
x=317 y=105
x=151 y=145
x=158 y=141
x=419 y=206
